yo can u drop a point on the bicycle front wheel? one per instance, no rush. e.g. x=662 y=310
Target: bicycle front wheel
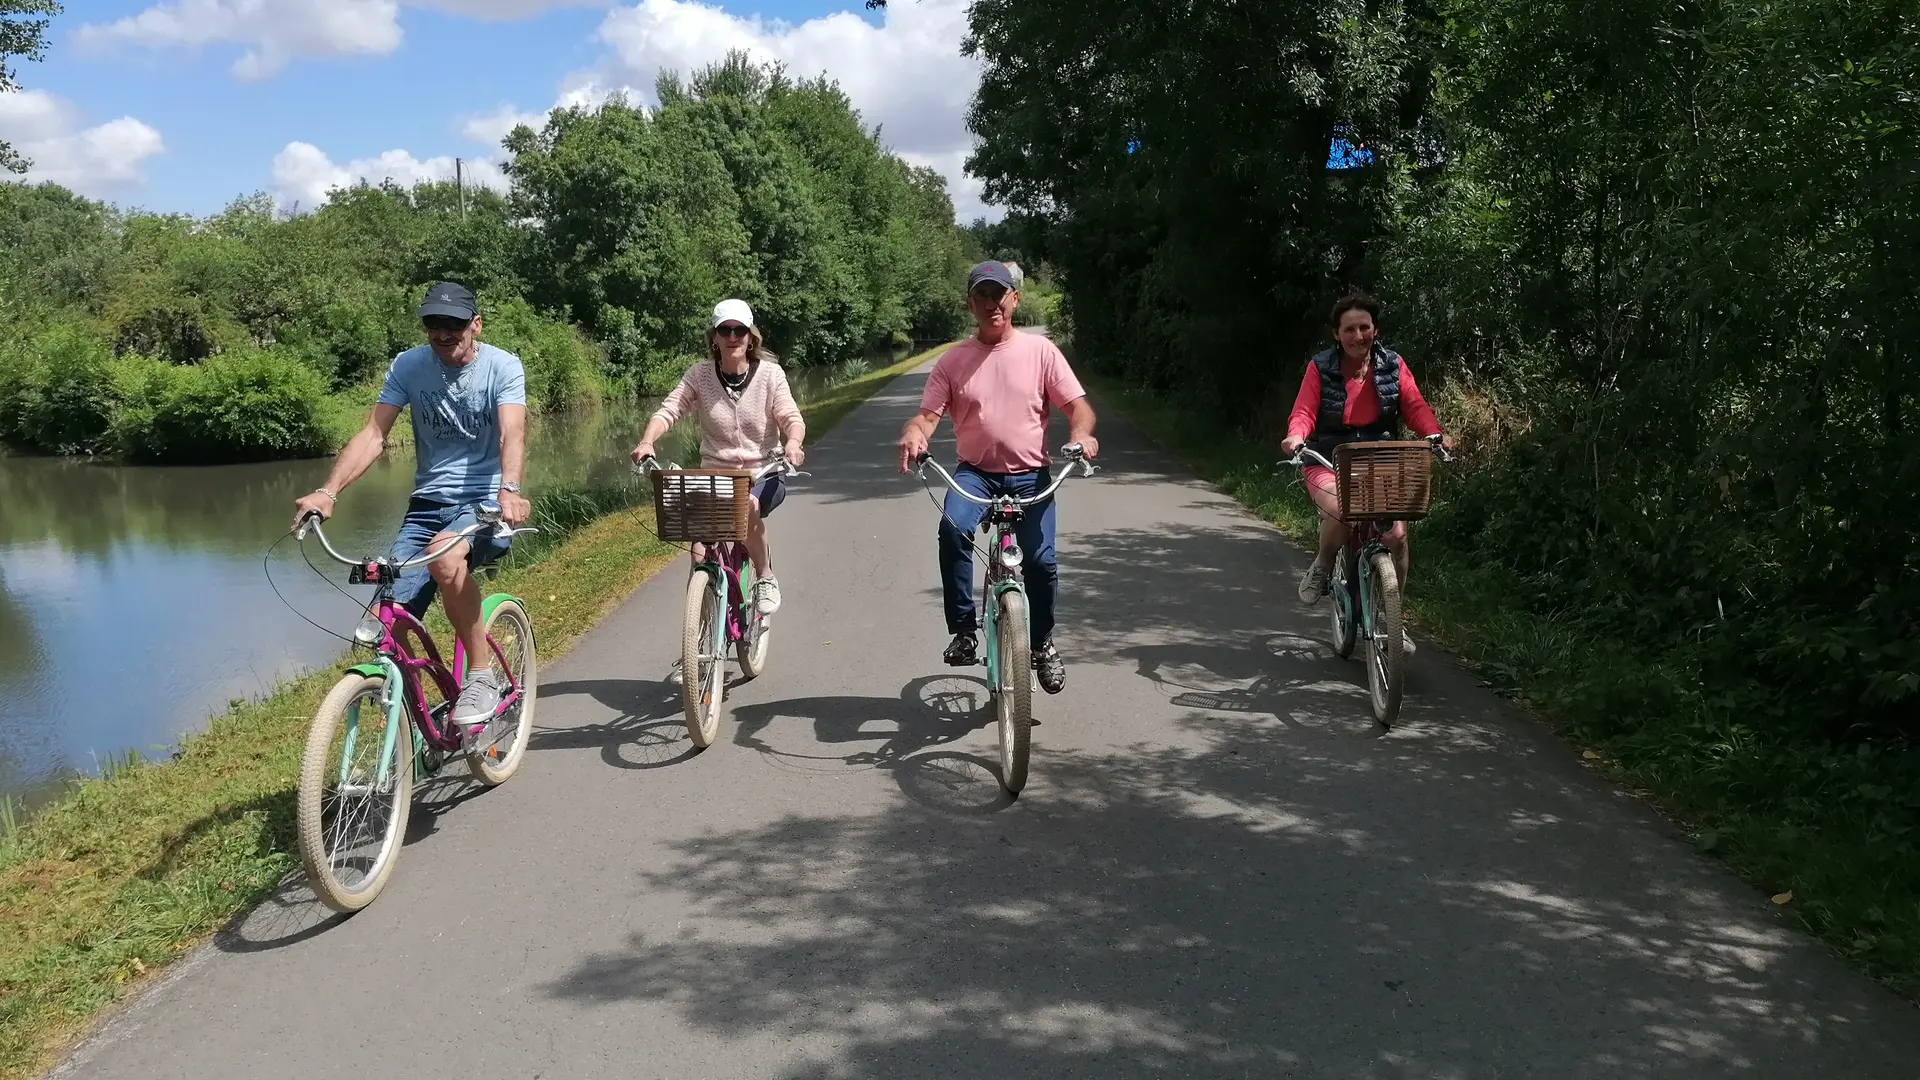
x=703 y=668
x=1013 y=698
x=499 y=749
x=354 y=794
x=1386 y=660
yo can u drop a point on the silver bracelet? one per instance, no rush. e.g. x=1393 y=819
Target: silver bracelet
x=331 y=497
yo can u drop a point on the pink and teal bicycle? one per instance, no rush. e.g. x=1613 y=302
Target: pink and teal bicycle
x=709 y=507
x=361 y=761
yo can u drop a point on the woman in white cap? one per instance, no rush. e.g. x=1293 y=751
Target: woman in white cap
x=746 y=409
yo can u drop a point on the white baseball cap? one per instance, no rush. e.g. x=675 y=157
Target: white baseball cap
x=732 y=311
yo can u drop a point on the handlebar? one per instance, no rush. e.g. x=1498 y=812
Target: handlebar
x=488 y=513
x=777 y=463
x=1299 y=459
x=1074 y=453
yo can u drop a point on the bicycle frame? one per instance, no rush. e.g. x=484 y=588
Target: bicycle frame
x=403 y=666
x=1003 y=513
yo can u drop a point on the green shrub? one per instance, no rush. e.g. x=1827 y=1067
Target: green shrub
x=563 y=368
x=246 y=405
x=56 y=390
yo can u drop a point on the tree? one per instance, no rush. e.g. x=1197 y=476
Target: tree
x=21 y=34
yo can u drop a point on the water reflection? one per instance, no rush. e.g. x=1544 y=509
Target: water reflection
x=133 y=603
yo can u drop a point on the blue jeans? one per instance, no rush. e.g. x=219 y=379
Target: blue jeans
x=416 y=588
x=1035 y=534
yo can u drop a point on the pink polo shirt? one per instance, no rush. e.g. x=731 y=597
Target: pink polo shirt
x=999 y=397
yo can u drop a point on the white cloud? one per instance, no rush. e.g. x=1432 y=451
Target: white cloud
x=906 y=74
x=490 y=128
x=275 y=32
x=99 y=161
x=303 y=173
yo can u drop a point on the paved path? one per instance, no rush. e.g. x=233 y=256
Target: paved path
x=1220 y=868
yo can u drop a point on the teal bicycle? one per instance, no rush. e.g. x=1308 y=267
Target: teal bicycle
x=1379 y=483
x=1009 y=654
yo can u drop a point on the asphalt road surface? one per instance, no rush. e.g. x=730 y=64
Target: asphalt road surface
x=1220 y=868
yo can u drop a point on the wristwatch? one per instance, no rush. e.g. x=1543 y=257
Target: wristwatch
x=515 y=488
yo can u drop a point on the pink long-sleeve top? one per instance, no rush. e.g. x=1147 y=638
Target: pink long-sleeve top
x=1363 y=403
x=734 y=434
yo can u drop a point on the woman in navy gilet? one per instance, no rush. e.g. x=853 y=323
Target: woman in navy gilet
x=1359 y=390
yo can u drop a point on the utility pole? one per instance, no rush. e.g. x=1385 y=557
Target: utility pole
x=460 y=182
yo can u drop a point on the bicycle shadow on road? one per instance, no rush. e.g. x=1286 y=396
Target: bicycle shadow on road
x=1292 y=679
x=291 y=913
x=930 y=712
x=648 y=729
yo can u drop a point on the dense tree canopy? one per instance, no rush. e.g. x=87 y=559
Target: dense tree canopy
x=124 y=331
x=1656 y=256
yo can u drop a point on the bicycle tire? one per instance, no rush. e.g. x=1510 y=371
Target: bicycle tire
x=1013 y=704
x=702 y=692
x=485 y=761
x=1343 y=597
x=320 y=770
x=1386 y=659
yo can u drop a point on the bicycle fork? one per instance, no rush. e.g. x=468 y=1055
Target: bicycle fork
x=394 y=705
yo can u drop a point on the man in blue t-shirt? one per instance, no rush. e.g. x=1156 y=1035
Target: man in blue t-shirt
x=469 y=403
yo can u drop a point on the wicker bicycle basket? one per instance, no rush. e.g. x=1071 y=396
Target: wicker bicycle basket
x=700 y=505
x=1384 y=481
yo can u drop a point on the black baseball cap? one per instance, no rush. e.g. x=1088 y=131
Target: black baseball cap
x=450 y=299
x=990 y=270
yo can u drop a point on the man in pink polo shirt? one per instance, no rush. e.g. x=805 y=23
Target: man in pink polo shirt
x=998 y=385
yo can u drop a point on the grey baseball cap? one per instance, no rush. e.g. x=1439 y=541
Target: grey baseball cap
x=450 y=299
x=995 y=272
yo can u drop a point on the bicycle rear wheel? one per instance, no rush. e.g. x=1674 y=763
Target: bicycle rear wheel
x=1013 y=698
x=351 y=818
x=1386 y=661
x=498 y=750
x=703 y=668
x=751 y=650
x=1343 y=595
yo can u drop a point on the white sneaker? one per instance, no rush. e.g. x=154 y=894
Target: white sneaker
x=1313 y=584
x=1406 y=642
x=766 y=595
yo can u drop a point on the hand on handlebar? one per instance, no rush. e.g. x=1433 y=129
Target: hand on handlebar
x=796 y=454
x=1290 y=446
x=514 y=509
x=314 y=504
x=913 y=447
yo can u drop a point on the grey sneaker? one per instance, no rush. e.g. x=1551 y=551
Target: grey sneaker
x=479 y=700
x=766 y=595
x=1313 y=584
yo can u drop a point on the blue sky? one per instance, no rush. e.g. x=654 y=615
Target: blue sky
x=182 y=105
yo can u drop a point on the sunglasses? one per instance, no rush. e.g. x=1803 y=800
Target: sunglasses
x=732 y=330
x=446 y=324
x=992 y=294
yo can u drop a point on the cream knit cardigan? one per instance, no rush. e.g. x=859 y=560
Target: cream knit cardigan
x=734 y=434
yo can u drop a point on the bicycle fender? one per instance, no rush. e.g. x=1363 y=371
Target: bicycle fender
x=493 y=602
x=371 y=671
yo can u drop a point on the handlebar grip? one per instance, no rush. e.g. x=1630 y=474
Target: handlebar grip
x=307 y=521
x=922 y=457
x=1073 y=450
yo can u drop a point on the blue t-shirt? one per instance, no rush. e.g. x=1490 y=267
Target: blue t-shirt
x=456 y=418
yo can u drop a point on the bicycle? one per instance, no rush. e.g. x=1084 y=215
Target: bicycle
x=1009 y=652
x=341 y=794
x=1379 y=483
x=709 y=507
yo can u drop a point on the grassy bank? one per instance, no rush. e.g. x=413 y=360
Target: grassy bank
x=1828 y=831
x=135 y=867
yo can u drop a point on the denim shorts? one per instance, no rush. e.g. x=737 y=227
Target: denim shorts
x=416 y=588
